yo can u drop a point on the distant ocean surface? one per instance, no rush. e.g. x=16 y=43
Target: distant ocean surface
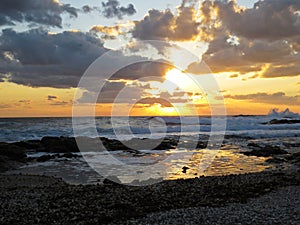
x=18 y=129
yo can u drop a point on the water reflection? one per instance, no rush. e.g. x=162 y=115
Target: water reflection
x=77 y=171
x=225 y=162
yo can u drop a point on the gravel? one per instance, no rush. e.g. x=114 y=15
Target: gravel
x=205 y=200
x=278 y=207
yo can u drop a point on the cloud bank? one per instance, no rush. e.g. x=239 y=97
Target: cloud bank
x=164 y=25
x=278 y=98
x=263 y=40
x=40 y=59
x=44 y=12
x=112 y=8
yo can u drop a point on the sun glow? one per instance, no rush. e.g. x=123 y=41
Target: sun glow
x=169 y=111
x=182 y=80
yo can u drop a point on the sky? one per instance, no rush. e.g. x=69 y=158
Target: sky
x=60 y=57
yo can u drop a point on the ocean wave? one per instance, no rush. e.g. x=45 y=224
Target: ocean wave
x=29 y=129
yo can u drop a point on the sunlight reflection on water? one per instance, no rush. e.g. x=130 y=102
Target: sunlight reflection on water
x=77 y=171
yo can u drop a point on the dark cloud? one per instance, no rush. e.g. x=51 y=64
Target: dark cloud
x=23 y=103
x=279 y=98
x=148 y=70
x=60 y=103
x=40 y=59
x=110 y=92
x=247 y=56
x=152 y=101
x=46 y=12
x=158 y=25
x=26 y=102
x=269 y=19
x=112 y=8
x=296 y=43
x=263 y=40
x=113 y=91
x=51 y=97
x=87 y=8
x=117 y=90
x=54 y=101
x=287 y=67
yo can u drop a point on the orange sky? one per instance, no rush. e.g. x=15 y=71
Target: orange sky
x=256 y=64
x=23 y=101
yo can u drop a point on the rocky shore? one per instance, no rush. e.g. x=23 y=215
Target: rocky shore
x=45 y=200
x=12 y=154
x=29 y=199
x=277 y=207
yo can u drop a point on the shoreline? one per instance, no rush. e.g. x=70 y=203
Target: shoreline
x=48 y=200
x=239 y=154
x=37 y=199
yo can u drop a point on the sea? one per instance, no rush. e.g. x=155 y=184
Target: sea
x=152 y=164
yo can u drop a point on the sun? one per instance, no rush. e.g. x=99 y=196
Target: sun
x=182 y=80
x=172 y=74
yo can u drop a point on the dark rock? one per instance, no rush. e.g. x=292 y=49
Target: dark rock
x=266 y=151
x=167 y=144
x=293 y=158
x=284 y=121
x=291 y=145
x=112 y=180
x=45 y=158
x=68 y=155
x=184 y=169
x=13 y=152
x=7 y=164
x=201 y=145
x=30 y=145
x=255 y=145
x=233 y=136
x=11 y=156
x=87 y=144
x=242 y=115
x=59 y=144
x=276 y=160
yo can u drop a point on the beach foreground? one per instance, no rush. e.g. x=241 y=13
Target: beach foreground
x=46 y=200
